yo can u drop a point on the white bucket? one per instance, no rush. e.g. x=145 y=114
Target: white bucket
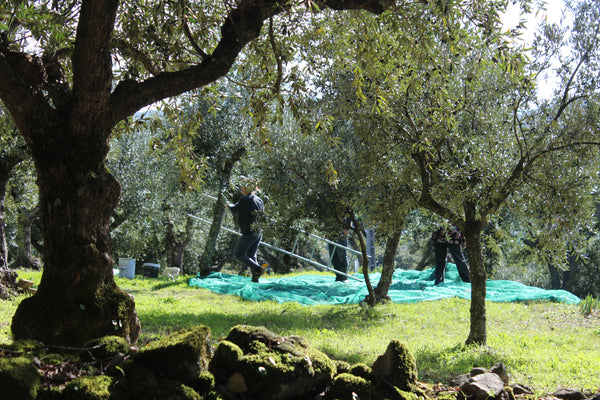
x=172 y=271
x=127 y=268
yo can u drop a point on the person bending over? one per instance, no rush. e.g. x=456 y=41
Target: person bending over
x=451 y=240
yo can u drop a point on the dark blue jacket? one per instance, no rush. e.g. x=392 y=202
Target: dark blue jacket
x=247 y=209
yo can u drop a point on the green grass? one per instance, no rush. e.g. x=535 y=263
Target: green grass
x=544 y=345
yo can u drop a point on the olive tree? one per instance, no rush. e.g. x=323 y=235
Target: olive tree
x=72 y=71
x=467 y=113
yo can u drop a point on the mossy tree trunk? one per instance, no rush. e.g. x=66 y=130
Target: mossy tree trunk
x=77 y=298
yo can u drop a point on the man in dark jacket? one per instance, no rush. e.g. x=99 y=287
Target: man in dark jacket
x=449 y=239
x=247 y=209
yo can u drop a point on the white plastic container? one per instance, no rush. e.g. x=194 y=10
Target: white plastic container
x=171 y=271
x=127 y=268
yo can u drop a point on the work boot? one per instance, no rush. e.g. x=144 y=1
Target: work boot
x=258 y=272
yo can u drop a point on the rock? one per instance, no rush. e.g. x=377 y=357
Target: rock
x=500 y=370
x=568 y=394
x=19 y=379
x=99 y=387
x=256 y=363
x=483 y=386
x=477 y=371
x=104 y=348
x=348 y=386
x=460 y=380
x=24 y=283
x=182 y=355
x=236 y=383
x=397 y=365
x=521 y=389
x=361 y=370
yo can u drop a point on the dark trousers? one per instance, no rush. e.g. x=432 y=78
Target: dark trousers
x=441 y=251
x=339 y=259
x=246 y=249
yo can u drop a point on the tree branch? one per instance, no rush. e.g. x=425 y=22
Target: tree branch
x=277 y=86
x=241 y=26
x=188 y=34
x=92 y=74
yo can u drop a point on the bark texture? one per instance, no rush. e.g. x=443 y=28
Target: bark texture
x=176 y=244
x=387 y=272
x=472 y=229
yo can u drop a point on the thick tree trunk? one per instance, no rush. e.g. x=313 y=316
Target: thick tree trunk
x=77 y=298
x=387 y=272
x=177 y=244
x=472 y=231
x=24 y=257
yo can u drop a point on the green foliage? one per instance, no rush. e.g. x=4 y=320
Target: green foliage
x=589 y=305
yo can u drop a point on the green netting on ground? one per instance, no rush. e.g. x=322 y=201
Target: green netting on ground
x=407 y=287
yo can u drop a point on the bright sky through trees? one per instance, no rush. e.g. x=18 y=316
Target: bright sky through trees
x=552 y=14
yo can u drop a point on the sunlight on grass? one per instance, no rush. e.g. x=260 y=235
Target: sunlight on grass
x=543 y=345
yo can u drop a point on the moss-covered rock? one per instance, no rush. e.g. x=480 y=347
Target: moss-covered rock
x=226 y=357
x=99 y=387
x=19 y=379
x=257 y=363
x=104 y=348
x=52 y=393
x=362 y=370
x=386 y=391
x=347 y=387
x=342 y=366
x=26 y=347
x=141 y=383
x=169 y=389
x=182 y=355
x=397 y=366
x=205 y=383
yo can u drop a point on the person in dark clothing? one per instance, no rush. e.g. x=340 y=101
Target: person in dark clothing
x=338 y=255
x=247 y=209
x=449 y=239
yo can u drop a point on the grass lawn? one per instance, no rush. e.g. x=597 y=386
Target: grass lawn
x=544 y=345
